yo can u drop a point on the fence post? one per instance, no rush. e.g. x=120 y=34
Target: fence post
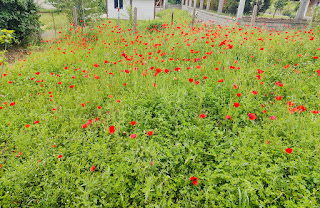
x=254 y=14
x=84 y=19
x=240 y=10
x=193 y=17
x=154 y=9
x=220 y=7
x=208 y=5
x=201 y=4
x=74 y=17
x=172 y=17
x=135 y=19
x=54 y=26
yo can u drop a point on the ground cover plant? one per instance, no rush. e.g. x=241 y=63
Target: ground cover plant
x=175 y=116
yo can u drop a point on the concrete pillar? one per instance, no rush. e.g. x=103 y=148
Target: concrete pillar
x=301 y=13
x=195 y=3
x=240 y=9
x=220 y=6
x=165 y=4
x=201 y=4
x=208 y=5
x=182 y=1
x=254 y=15
x=190 y=3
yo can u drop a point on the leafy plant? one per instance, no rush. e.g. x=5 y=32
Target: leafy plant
x=278 y=5
x=21 y=17
x=6 y=37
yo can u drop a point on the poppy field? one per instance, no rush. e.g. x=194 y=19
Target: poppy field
x=169 y=116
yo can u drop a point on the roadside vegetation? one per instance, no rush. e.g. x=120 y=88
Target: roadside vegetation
x=169 y=116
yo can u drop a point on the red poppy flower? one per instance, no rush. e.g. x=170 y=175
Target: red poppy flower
x=190 y=80
x=273 y=118
x=60 y=156
x=194 y=180
x=150 y=133
x=301 y=108
x=252 y=116
x=28 y=125
x=99 y=107
x=111 y=129
x=220 y=80
x=238 y=94
x=133 y=123
x=197 y=82
x=228 y=117
x=84 y=126
x=133 y=136
x=289 y=150
x=71 y=86
x=12 y=104
x=254 y=92
x=93 y=168
x=36 y=122
x=235 y=86
x=278 y=98
x=236 y=104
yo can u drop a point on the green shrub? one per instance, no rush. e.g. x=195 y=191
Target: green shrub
x=20 y=16
x=232 y=6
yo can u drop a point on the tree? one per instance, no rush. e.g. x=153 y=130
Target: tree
x=20 y=16
x=278 y=5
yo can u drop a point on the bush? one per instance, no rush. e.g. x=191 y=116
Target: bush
x=20 y=16
x=232 y=6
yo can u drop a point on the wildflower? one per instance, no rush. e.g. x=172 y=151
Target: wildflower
x=289 y=150
x=194 y=180
x=111 y=129
x=202 y=115
x=252 y=116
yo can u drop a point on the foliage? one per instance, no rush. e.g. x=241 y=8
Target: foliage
x=20 y=16
x=232 y=6
x=174 y=1
x=115 y=119
x=6 y=37
x=280 y=4
x=91 y=9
